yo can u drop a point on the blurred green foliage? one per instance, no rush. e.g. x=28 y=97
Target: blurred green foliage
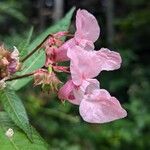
x=11 y=8
x=60 y=124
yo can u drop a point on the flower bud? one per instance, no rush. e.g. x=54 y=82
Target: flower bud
x=48 y=80
x=9 y=133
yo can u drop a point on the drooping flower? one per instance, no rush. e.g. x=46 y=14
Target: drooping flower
x=85 y=64
x=95 y=105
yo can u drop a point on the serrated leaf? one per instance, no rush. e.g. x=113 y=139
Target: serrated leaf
x=19 y=141
x=37 y=60
x=15 y=109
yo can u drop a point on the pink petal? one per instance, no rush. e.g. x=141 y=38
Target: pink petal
x=88 y=64
x=110 y=60
x=66 y=92
x=83 y=65
x=101 y=108
x=86 y=87
x=61 y=52
x=87 y=26
x=93 y=85
x=83 y=43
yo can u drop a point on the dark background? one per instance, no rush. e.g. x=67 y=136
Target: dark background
x=124 y=28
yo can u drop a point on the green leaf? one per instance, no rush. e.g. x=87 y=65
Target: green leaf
x=11 y=10
x=18 y=141
x=24 y=45
x=15 y=109
x=38 y=59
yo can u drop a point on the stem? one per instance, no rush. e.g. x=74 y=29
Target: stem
x=61 y=115
x=15 y=146
x=20 y=77
x=39 y=46
x=70 y=35
x=34 y=50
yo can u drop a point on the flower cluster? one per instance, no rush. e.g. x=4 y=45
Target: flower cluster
x=9 y=64
x=95 y=105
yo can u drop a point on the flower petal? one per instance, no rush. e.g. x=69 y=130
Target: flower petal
x=84 y=64
x=66 y=92
x=61 y=52
x=86 y=87
x=100 y=107
x=110 y=60
x=87 y=26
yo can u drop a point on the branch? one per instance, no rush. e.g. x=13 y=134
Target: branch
x=19 y=77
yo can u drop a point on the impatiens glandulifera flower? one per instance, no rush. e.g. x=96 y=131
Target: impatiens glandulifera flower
x=95 y=105
x=85 y=64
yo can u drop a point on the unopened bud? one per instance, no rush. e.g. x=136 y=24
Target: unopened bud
x=9 y=133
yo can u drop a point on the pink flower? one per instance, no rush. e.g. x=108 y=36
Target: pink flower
x=66 y=92
x=88 y=64
x=95 y=105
